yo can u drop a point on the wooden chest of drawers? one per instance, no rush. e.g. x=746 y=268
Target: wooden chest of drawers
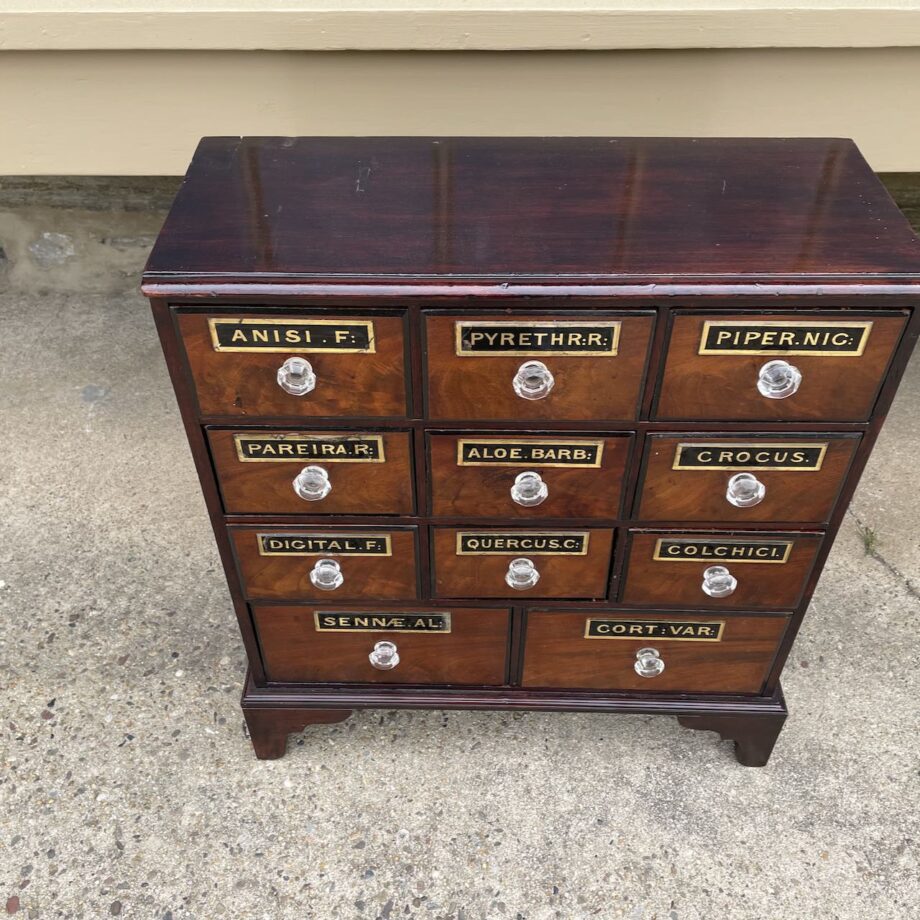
x=558 y=424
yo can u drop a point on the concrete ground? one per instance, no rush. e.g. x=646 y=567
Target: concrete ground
x=128 y=787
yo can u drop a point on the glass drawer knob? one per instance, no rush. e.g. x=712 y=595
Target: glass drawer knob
x=529 y=489
x=533 y=380
x=384 y=657
x=327 y=575
x=296 y=376
x=745 y=490
x=648 y=662
x=522 y=574
x=778 y=379
x=312 y=483
x=718 y=581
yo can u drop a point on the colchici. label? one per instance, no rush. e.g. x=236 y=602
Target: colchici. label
x=292 y=335
x=776 y=551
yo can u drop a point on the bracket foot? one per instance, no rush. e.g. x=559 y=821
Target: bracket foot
x=754 y=735
x=269 y=728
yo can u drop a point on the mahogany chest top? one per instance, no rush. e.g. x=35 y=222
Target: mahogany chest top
x=563 y=210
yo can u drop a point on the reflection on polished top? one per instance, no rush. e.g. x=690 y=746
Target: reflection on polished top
x=530 y=208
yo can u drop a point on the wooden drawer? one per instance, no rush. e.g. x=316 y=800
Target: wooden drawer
x=276 y=563
x=597 y=361
x=571 y=563
x=687 y=476
x=435 y=645
x=370 y=472
x=358 y=361
x=714 y=361
x=597 y=651
x=473 y=474
x=668 y=568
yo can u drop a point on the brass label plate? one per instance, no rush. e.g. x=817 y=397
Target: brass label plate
x=275 y=448
x=781 y=337
x=549 y=338
x=674 y=630
x=407 y=621
x=530 y=452
x=690 y=550
x=493 y=543
x=755 y=455
x=305 y=336
x=324 y=544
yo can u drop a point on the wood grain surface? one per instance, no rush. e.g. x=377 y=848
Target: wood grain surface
x=244 y=384
x=265 y=487
x=586 y=387
x=761 y=585
x=474 y=652
x=277 y=208
x=287 y=577
x=792 y=496
x=484 y=575
x=485 y=491
x=556 y=654
x=724 y=386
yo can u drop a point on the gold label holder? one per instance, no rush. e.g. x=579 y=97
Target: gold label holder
x=509 y=339
x=383 y=539
x=293 y=336
x=436 y=622
x=751 y=447
x=648 y=630
x=579 y=543
x=842 y=339
x=594 y=447
x=785 y=546
x=378 y=455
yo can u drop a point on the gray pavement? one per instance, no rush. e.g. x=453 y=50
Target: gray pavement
x=128 y=787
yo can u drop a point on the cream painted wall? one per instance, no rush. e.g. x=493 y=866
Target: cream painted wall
x=457 y=25
x=99 y=112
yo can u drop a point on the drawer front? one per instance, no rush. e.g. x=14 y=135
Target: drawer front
x=433 y=645
x=521 y=563
x=476 y=475
x=596 y=364
x=359 y=472
x=598 y=651
x=715 y=366
x=358 y=363
x=742 y=571
x=326 y=563
x=792 y=478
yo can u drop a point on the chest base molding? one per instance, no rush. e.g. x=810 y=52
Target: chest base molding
x=272 y=713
